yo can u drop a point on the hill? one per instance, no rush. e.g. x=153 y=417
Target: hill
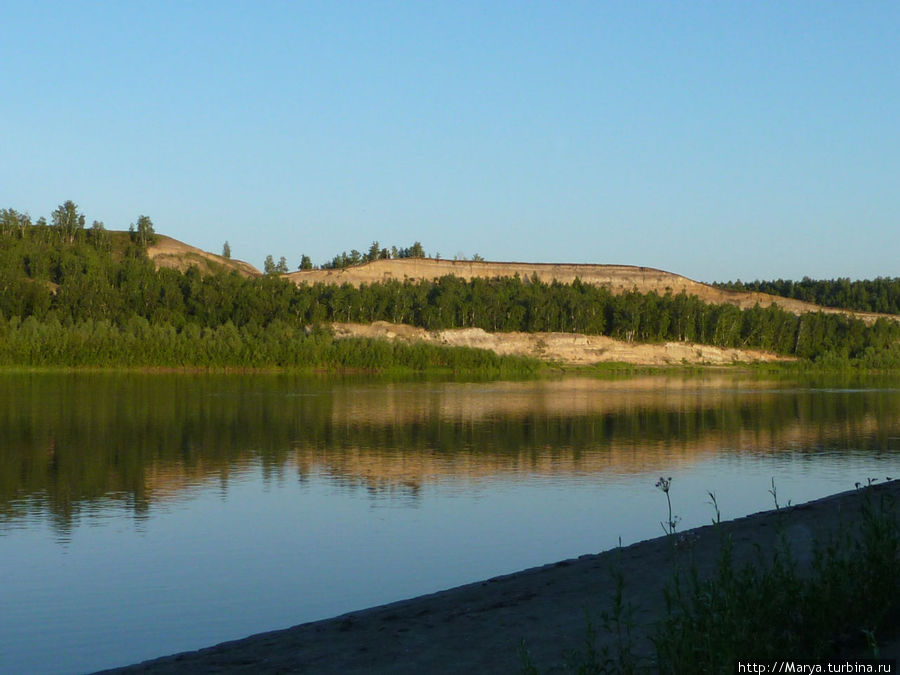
x=616 y=278
x=174 y=254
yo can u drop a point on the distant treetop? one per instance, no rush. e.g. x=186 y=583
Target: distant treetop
x=375 y=252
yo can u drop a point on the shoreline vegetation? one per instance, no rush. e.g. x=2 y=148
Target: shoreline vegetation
x=142 y=346
x=818 y=577
x=379 y=348
x=88 y=297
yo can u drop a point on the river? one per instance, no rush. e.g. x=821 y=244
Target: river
x=142 y=515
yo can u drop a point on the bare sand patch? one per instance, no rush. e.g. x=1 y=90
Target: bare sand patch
x=574 y=349
x=168 y=252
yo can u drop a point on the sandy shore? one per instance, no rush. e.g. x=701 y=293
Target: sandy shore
x=480 y=627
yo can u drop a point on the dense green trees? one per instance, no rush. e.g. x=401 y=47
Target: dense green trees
x=375 y=252
x=63 y=290
x=868 y=295
x=139 y=342
x=74 y=297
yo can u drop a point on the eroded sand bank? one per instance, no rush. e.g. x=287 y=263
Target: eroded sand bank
x=573 y=349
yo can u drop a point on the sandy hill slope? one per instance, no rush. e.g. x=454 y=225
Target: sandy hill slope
x=618 y=278
x=168 y=252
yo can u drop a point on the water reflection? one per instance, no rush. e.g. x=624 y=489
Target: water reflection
x=72 y=441
x=142 y=515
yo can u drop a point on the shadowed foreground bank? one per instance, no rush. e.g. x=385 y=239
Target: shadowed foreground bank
x=480 y=627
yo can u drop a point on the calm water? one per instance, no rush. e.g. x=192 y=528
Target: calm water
x=144 y=515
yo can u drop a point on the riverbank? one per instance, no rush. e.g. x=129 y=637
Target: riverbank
x=481 y=627
x=568 y=349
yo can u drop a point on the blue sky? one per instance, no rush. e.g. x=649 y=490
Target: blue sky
x=718 y=140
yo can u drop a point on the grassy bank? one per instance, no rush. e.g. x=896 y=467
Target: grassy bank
x=140 y=344
x=843 y=603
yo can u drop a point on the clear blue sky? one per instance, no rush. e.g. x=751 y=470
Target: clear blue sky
x=714 y=139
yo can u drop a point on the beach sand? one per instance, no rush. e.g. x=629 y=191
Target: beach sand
x=480 y=627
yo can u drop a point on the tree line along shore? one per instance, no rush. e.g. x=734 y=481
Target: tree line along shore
x=72 y=295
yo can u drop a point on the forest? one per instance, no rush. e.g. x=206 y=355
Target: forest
x=881 y=294
x=73 y=296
